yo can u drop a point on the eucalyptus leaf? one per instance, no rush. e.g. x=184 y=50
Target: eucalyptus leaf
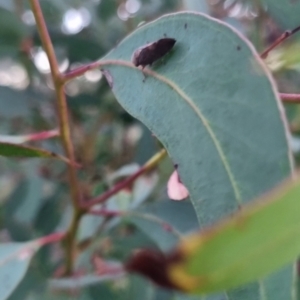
x=213 y=105
x=14 y=261
x=15 y=150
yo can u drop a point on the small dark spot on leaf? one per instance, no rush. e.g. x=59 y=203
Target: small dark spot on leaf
x=108 y=77
x=238 y=48
x=165 y=35
x=185 y=26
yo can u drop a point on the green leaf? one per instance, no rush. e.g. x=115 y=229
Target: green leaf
x=207 y=101
x=7 y=4
x=13 y=103
x=80 y=281
x=107 y=9
x=49 y=213
x=136 y=288
x=225 y=116
x=12 y=29
x=14 y=261
x=32 y=284
x=259 y=239
x=15 y=207
x=59 y=296
x=285 y=12
x=14 y=150
x=31 y=200
x=179 y=215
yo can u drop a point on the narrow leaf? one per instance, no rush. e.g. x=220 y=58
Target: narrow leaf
x=20 y=139
x=14 y=150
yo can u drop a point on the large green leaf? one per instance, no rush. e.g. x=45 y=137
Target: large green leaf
x=213 y=105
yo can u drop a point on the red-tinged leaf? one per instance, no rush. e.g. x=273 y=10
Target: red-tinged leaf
x=20 y=139
x=43 y=135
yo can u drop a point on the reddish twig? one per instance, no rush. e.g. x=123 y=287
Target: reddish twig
x=43 y=135
x=115 y=189
x=51 y=238
x=278 y=41
x=64 y=129
x=125 y=183
x=290 y=98
x=63 y=117
x=80 y=71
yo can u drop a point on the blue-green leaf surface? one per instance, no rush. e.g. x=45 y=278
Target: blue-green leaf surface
x=285 y=12
x=14 y=261
x=213 y=105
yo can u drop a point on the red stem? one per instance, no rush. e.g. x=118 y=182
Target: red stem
x=279 y=40
x=80 y=71
x=43 y=135
x=51 y=238
x=115 y=189
x=290 y=98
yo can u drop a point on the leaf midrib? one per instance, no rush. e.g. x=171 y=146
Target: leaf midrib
x=198 y=112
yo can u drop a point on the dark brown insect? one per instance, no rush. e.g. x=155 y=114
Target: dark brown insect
x=148 y=54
